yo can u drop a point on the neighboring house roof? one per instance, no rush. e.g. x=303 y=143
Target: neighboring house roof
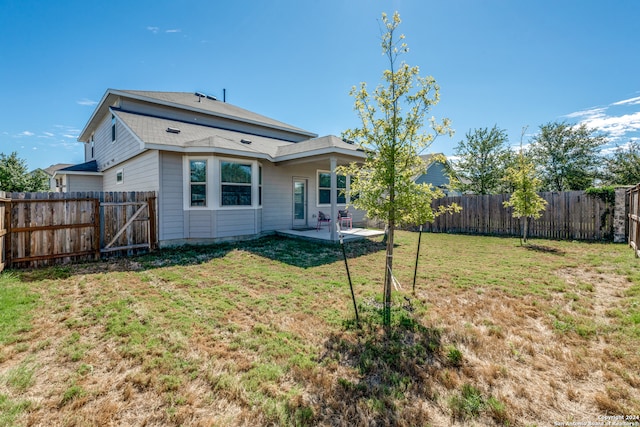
x=188 y=101
x=87 y=167
x=51 y=170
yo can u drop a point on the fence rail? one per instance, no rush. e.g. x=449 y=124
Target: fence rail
x=634 y=218
x=572 y=215
x=39 y=229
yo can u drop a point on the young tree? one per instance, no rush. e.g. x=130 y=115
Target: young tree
x=14 y=176
x=567 y=156
x=480 y=167
x=524 y=200
x=391 y=133
x=623 y=166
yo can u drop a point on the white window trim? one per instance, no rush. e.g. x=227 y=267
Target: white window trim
x=214 y=183
x=186 y=183
x=254 y=183
x=324 y=205
x=120 y=172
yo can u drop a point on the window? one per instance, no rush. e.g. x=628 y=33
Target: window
x=93 y=146
x=235 y=179
x=113 y=128
x=260 y=185
x=119 y=176
x=324 y=188
x=198 y=182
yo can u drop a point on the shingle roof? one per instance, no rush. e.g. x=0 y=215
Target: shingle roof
x=91 y=166
x=218 y=108
x=189 y=137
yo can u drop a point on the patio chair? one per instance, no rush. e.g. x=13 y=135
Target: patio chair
x=345 y=219
x=322 y=218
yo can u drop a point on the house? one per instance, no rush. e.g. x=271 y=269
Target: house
x=437 y=173
x=50 y=172
x=220 y=172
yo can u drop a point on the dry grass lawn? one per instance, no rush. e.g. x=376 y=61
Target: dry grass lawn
x=263 y=333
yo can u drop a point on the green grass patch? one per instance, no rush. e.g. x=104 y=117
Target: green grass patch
x=11 y=409
x=16 y=305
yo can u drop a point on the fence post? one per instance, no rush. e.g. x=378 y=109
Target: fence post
x=7 y=241
x=96 y=228
x=153 y=236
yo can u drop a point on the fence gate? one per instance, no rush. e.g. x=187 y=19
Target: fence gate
x=38 y=229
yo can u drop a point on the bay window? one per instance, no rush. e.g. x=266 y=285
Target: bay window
x=235 y=180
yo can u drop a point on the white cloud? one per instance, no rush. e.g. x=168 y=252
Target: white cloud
x=590 y=113
x=69 y=136
x=154 y=30
x=88 y=102
x=173 y=31
x=615 y=126
x=630 y=101
x=27 y=133
x=47 y=134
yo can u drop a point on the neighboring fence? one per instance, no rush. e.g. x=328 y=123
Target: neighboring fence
x=570 y=215
x=39 y=229
x=634 y=218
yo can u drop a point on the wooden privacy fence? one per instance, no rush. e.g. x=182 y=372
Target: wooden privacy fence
x=572 y=215
x=634 y=218
x=39 y=229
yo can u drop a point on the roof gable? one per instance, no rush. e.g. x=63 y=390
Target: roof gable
x=190 y=102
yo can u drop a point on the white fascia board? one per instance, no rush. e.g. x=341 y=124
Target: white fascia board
x=320 y=152
x=76 y=173
x=225 y=151
x=93 y=116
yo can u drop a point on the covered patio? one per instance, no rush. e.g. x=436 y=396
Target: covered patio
x=325 y=235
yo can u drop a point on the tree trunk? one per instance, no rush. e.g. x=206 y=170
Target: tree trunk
x=388 y=280
x=524 y=232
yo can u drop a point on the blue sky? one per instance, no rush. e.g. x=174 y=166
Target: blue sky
x=506 y=62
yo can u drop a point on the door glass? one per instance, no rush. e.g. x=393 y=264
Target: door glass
x=298 y=200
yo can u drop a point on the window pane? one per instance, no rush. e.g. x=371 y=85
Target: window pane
x=342 y=181
x=198 y=170
x=325 y=197
x=235 y=172
x=342 y=198
x=324 y=180
x=236 y=195
x=198 y=195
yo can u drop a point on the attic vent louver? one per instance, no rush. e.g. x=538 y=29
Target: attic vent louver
x=245 y=141
x=173 y=130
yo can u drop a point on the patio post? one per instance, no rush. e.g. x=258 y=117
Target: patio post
x=334 y=199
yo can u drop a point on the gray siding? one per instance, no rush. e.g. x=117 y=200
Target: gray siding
x=237 y=222
x=170 y=199
x=200 y=223
x=277 y=195
x=109 y=154
x=81 y=183
x=436 y=175
x=140 y=173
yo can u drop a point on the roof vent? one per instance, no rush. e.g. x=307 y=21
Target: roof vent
x=213 y=98
x=173 y=130
x=200 y=95
x=245 y=141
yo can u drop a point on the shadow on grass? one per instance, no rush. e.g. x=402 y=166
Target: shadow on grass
x=299 y=253
x=544 y=249
x=380 y=375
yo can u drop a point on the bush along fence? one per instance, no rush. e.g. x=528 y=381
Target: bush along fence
x=38 y=229
x=634 y=218
x=572 y=215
